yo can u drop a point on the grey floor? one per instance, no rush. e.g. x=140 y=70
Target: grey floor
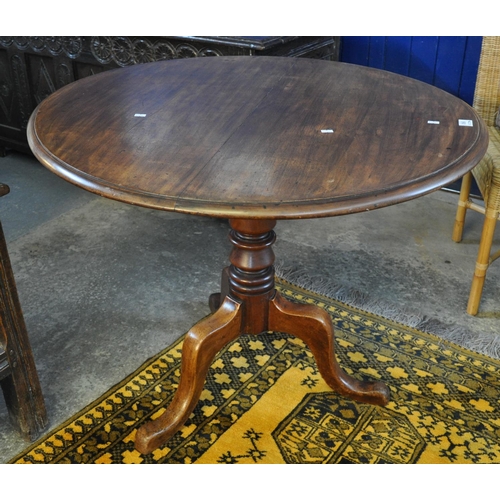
x=105 y=285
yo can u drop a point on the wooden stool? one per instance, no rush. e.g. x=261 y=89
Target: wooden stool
x=18 y=375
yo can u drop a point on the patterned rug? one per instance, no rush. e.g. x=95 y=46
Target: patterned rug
x=265 y=402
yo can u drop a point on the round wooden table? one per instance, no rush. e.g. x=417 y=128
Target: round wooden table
x=255 y=140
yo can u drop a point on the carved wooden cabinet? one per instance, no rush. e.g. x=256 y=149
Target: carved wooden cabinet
x=32 y=67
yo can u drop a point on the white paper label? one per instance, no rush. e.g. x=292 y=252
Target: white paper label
x=465 y=123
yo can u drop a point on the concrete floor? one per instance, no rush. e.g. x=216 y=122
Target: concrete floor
x=105 y=285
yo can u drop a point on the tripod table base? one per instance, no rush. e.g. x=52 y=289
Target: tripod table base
x=249 y=303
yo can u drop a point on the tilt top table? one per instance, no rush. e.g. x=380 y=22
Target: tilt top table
x=255 y=140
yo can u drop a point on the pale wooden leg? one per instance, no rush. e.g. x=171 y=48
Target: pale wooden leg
x=314 y=326
x=200 y=346
x=462 y=207
x=483 y=260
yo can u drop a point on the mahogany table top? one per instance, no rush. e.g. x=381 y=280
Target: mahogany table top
x=256 y=137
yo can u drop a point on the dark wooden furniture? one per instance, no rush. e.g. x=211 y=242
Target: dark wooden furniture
x=18 y=375
x=255 y=140
x=32 y=67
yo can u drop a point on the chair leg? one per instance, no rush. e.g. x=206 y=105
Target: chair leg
x=20 y=383
x=483 y=261
x=462 y=207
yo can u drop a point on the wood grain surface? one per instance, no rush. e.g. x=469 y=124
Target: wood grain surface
x=248 y=137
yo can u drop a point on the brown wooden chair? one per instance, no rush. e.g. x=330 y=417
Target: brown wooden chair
x=487 y=172
x=18 y=375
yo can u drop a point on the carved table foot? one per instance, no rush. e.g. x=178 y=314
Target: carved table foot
x=314 y=327
x=200 y=346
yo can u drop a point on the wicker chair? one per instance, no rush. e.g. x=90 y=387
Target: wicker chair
x=487 y=172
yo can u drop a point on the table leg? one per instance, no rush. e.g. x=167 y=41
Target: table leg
x=200 y=346
x=314 y=327
x=249 y=303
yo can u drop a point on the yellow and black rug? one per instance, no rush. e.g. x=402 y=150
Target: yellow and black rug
x=265 y=402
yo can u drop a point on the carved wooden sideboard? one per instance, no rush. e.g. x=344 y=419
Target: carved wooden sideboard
x=31 y=68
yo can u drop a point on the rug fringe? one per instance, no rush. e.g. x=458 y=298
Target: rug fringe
x=482 y=343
